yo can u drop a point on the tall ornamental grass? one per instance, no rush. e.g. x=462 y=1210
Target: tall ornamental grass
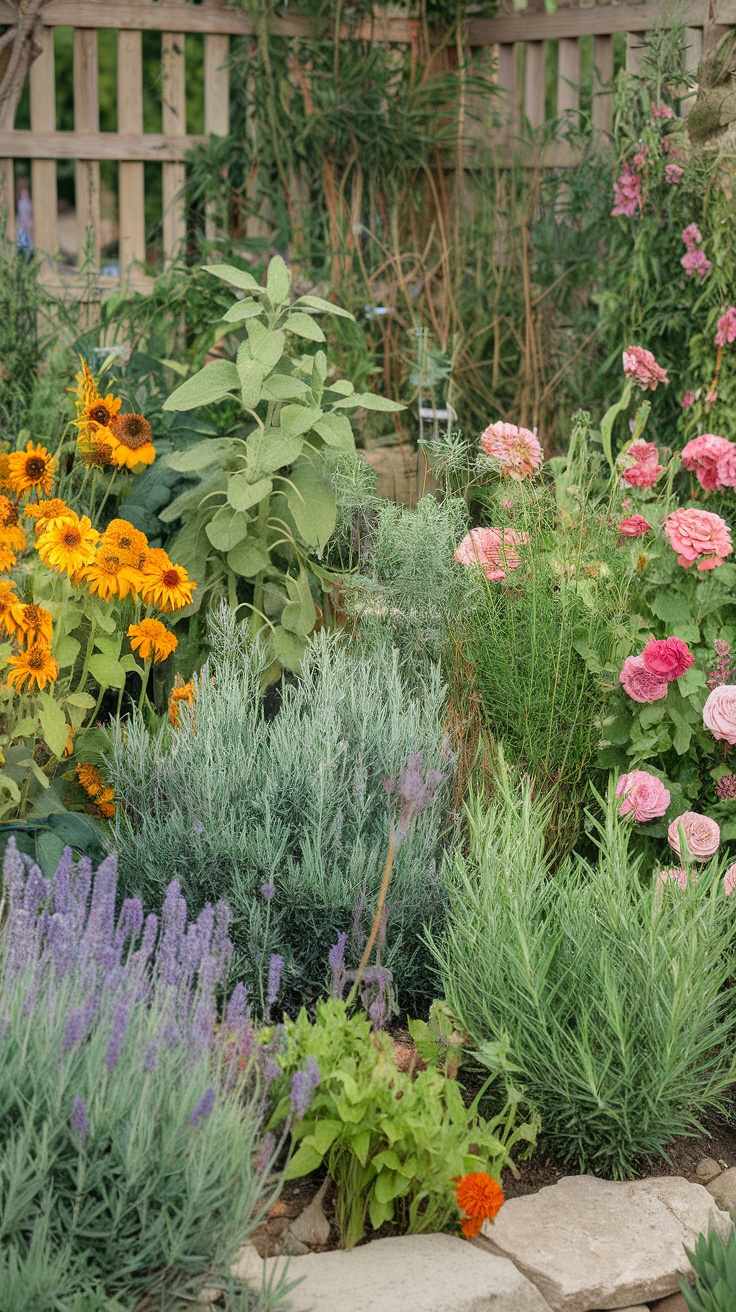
x=607 y=991
x=133 y=1162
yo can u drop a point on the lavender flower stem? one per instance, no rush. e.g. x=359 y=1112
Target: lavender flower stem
x=377 y=918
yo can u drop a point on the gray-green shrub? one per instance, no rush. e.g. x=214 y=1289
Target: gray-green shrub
x=608 y=992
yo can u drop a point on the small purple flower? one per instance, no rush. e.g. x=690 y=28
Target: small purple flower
x=197 y=826
x=79 y=1120
x=415 y=792
x=313 y=1071
x=118 y=1030
x=301 y=1093
x=275 y=967
x=203 y=1110
x=79 y=1022
x=267 y=1150
x=237 y=1007
x=267 y=891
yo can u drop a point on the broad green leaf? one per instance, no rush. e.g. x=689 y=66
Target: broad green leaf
x=367 y=401
x=336 y=430
x=298 y=419
x=607 y=423
x=237 y=277
x=342 y=386
x=691 y=680
x=10 y=786
x=283 y=387
x=242 y=494
x=213 y=383
x=299 y=615
x=187 y=502
x=198 y=456
x=388 y=1185
x=81 y=699
x=265 y=347
x=108 y=672
x=227 y=528
x=53 y=724
x=248 y=559
x=278 y=281
x=66 y=649
x=311 y=500
x=304 y=326
x=325 y=1133
x=288 y=650
x=109 y=644
x=242 y=310
x=49 y=851
x=380 y=1212
x=671 y=607
x=305 y=1160
x=683 y=732
x=271 y=450
x=318 y=303
x=251 y=374
x=360 y=1145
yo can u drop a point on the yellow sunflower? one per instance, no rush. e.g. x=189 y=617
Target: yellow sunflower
x=99 y=410
x=34 y=623
x=152 y=638
x=132 y=441
x=8 y=558
x=8 y=602
x=31 y=470
x=11 y=532
x=4 y=468
x=109 y=576
x=95 y=450
x=35 y=665
x=165 y=586
x=46 y=513
x=181 y=692
x=68 y=544
x=129 y=543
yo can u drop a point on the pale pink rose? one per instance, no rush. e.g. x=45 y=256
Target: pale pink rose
x=698 y=535
x=640 y=683
x=494 y=549
x=702 y=835
x=627 y=193
x=634 y=527
x=687 y=400
x=641 y=365
x=673 y=876
x=729 y=881
x=719 y=713
x=696 y=262
x=692 y=236
x=727 y=467
x=702 y=456
x=516 y=451
x=644 y=795
x=673 y=173
x=726 y=327
x=669 y=658
x=662 y=111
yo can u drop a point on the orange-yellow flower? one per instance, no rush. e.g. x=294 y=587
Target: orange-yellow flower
x=4 y=468
x=8 y=602
x=8 y=558
x=99 y=410
x=69 y=740
x=481 y=1198
x=46 y=513
x=165 y=586
x=31 y=470
x=85 y=390
x=34 y=623
x=90 y=779
x=11 y=532
x=109 y=576
x=68 y=544
x=181 y=692
x=35 y=665
x=95 y=449
x=125 y=541
x=133 y=441
x=152 y=638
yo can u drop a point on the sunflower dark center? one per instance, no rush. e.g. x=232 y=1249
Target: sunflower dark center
x=100 y=415
x=170 y=578
x=36 y=659
x=133 y=430
x=35 y=467
x=70 y=537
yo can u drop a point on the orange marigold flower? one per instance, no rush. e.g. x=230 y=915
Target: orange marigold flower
x=8 y=558
x=90 y=779
x=95 y=450
x=132 y=441
x=152 y=638
x=35 y=665
x=107 y=808
x=34 y=622
x=31 y=470
x=46 y=513
x=68 y=544
x=481 y=1198
x=165 y=586
x=126 y=541
x=8 y=603
x=181 y=692
x=11 y=531
x=109 y=576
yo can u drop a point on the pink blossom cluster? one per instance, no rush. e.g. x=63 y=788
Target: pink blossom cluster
x=516 y=451
x=698 y=536
x=673 y=173
x=722 y=671
x=662 y=111
x=726 y=333
x=645 y=469
x=493 y=549
x=702 y=835
x=726 y=788
x=645 y=796
x=627 y=193
x=694 y=260
x=634 y=527
x=641 y=365
x=646 y=678
x=712 y=459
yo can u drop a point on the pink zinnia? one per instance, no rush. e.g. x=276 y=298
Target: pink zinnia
x=494 y=549
x=729 y=881
x=727 y=467
x=640 y=683
x=645 y=796
x=698 y=535
x=696 y=262
x=646 y=468
x=703 y=455
x=692 y=236
x=641 y=365
x=688 y=399
x=627 y=193
x=634 y=527
x=673 y=173
x=516 y=450
x=726 y=327
x=668 y=658
x=702 y=835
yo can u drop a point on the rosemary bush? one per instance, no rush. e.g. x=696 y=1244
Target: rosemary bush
x=232 y=803
x=607 y=994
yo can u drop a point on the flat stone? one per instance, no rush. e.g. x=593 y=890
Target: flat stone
x=673 y=1303
x=248 y=1265
x=412 y=1273
x=723 y=1190
x=311 y=1227
x=598 y=1244
x=708 y=1169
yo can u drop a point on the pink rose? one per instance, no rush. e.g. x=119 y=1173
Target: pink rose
x=640 y=683
x=687 y=400
x=516 y=451
x=672 y=876
x=727 y=467
x=698 y=535
x=696 y=262
x=726 y=327
x=702 y=456
x=634 y=527
x=642 y=366
x=692 y=236
x=729 y=881
x=668 y=658
x=702 y=835
x=719 y=713
x=494 y=549
x=644 y=794
x=673 y=173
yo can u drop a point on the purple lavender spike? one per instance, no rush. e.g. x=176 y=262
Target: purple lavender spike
x=301 y=1093
x=13 y=874
x=36 y=892
x=237 y=1007
x=142 y=955
x=203 y=1110
x=336 y=959
x=130 y=921
x=173 y=920
x=79 y=1120
x=98 y=935
x=64 y=899
x=120 y=1019
x=79 y=1021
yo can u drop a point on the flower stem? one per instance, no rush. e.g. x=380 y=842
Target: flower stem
x=377 y=918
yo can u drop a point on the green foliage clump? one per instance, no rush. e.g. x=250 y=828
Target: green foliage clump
x=714 y=1264
x=393 y=1141
x=232 y=801
x=607 y=994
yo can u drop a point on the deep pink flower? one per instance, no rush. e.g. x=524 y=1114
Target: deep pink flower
x=711 y=398
x=719 y=713
x=703 y=455
x=494 y=549
x=634 y=527
x=627 y=193
x=668 y=658
x=688 y=399
x=698 y=535
x=641 y=365
x=696 y=262
x=662 y=111
x=645 y=796
x=726 y=327
x=646 y=468
x=692 y=236
x=726 y=788
x=640 y=683
x=516 y=451
x=702 y=835
x=673 y=173
x=729 y=880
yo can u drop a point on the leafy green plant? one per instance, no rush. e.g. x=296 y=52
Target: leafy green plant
x=714 y=1264
x=582 y=981
x=392 y=1143
x=265 y=502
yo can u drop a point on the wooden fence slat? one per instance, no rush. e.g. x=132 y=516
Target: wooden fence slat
x=598 y=20
x=132 y=203
x=148 y=147
x=174 y=109
x=602 y=76
x=87 y=119
x=634 y=42
x=216 y=104
x=507 y=82
x=43 y=171
x=568 y=75
x=7 y=197
x=693 y=54
x=534 y=82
